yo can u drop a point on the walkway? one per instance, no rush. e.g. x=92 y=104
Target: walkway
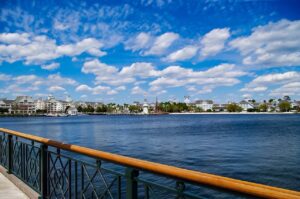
x=8 y=190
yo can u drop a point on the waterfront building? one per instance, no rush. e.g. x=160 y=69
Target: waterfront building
x=23 y=105
x=86 y=104
x=6 y=105
x=72 y=111
x=246 y=105
x=55 y=106
x=40 y=104
x=219 y=107
x=205 y=105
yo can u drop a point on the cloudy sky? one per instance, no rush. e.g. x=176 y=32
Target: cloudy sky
x=125 y=51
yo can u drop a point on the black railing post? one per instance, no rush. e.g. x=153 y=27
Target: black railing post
x=44 y=171
x=131 y=183
x=10 y=154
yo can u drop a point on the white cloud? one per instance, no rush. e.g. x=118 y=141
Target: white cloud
x=271 y=45
x=105 y=73
x=29 y=83
x=172 y=76
x=40 y=49
x=287 y=89
x=161 y=43
x=98 y=68
x=255 y=89
x=137 y=91
x=182 y=54
x=276 y=78
x=56 y=88
x=57 y=79
x=51 y=66
x=141 y=41
x=139 y=69
x=213 y=42
x=112 y=92
x=287 y=82
x=176 y=76
x=14 y=38
x=24 y=79
x=89 y=45
x=247 y=96
x=83 y=88
x=121 y=88
x=96 y=90
x=4 y=77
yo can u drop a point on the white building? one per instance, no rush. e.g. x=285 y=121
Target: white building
x=72 y=111
x=23 y=105
x=6 y=105
x=246 y=105
x=204 y=104
x=40 y=104
x=55 y=106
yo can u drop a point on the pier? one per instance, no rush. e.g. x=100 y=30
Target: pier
x=53 y=169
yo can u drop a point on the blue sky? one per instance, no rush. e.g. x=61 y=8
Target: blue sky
x=122 y=51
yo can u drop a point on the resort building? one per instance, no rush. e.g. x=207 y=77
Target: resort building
x=72 y=111
x=40 y=104
x=205 y=105
x=220 y=107
x=54 y=106
x=246 y=105
x=6 y=105
x=23 y=105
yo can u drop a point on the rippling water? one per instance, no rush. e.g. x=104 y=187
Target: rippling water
x=258 y=148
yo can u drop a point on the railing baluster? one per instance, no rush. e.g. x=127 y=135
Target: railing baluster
x=82 y=181
x=119 y=187
x=76 y=179
x=180 y=187
x=146 y=191
x=10 y=154
x=44 y=170
x=131 y=183
x=70 y=179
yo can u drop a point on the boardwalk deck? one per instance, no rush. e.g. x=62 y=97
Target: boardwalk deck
x=8 y=190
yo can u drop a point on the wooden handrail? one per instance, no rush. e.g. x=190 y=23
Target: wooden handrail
x=254 y=189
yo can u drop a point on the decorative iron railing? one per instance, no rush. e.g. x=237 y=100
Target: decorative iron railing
x=59 y=170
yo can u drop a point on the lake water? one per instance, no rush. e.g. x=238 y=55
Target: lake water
x=258 y=148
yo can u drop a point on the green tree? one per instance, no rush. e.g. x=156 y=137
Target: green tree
x=263 y=107
x=79 y=109
x=234 y=108
x=284 y=106
x=3 y=110
x=134 y=109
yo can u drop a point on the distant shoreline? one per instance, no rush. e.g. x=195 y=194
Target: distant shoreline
x=235 y=113
x=151 y=114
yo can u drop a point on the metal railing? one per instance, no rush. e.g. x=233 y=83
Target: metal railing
x=58 y=170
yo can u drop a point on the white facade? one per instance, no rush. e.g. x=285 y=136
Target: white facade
x=40 y=104
x=204 y=104
x=55 y=106
x=145 y=108
x=23 y=105
x=246 y=105
x=6 y=104
x=72 y=111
